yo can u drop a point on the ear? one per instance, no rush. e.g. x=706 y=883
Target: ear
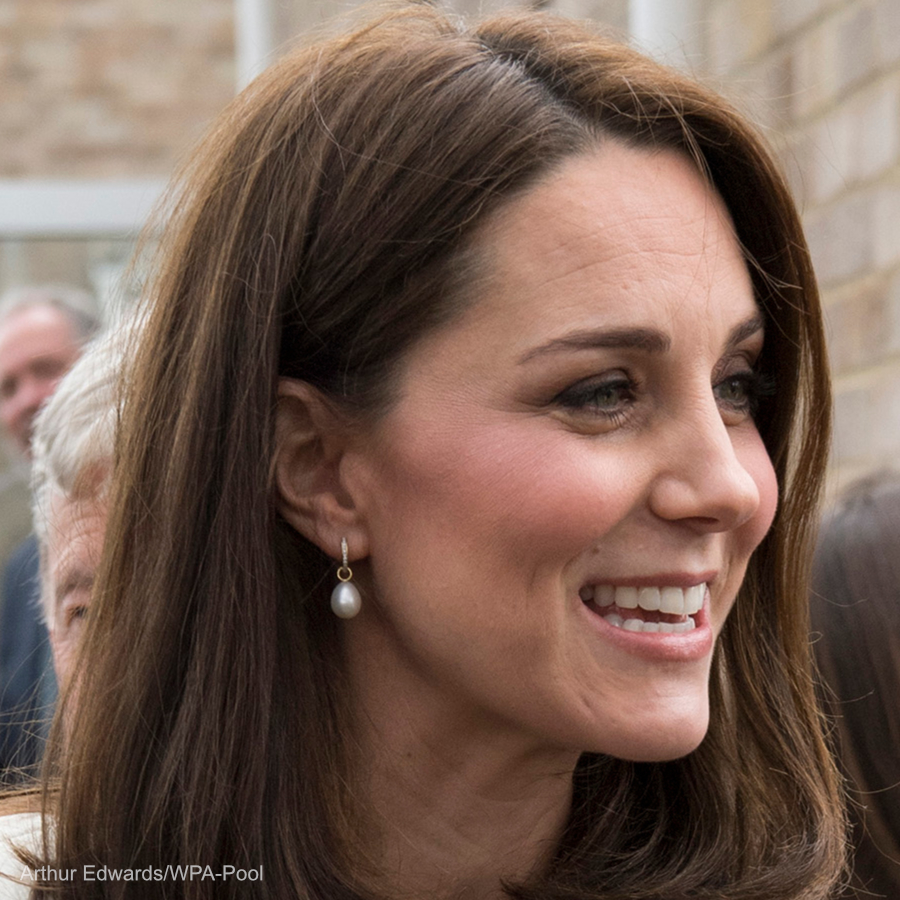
x=311 y=440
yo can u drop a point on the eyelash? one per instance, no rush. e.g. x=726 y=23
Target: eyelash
x=585 y=394
x=756 y=385
x=579 y=397
x=76 y=612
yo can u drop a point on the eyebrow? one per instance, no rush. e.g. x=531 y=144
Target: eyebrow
x=745 y=330
x=650 y=340
x=73 y=580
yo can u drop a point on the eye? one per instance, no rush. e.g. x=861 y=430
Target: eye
x=741 y=392
x=48 y=368
x=608 y=396
x=74 y=619
x=735 y=390
x=74 y=607
x=76 y=613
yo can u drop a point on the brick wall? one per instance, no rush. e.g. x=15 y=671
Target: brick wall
x=823 y=78
x=295 y=18
x=109 y=87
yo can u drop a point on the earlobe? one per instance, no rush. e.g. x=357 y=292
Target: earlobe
x=311 y=440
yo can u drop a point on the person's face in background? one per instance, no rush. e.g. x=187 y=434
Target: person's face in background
x=74 y=547
x=38 y=345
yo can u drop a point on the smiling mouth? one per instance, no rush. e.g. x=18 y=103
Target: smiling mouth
x=670 y=610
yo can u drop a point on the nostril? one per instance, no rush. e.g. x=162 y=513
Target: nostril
x=709 y=497
x=705 y=520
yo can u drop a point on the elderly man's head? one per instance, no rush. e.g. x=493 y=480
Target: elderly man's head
x=42 y=331
x=72 y=451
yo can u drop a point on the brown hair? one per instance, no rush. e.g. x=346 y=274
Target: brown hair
x=322 y=229
x=856 y=632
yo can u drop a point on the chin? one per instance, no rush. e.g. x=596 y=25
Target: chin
x=664 y=740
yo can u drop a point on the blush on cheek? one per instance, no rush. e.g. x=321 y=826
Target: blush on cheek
x=534 y=500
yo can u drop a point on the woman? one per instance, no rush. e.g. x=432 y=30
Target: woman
x=515 y=332
x=856 y=625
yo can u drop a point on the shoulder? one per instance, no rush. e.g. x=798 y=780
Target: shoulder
x=21 y=830
x=23 y=560
x=21 y=572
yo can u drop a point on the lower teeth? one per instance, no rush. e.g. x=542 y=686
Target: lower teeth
x=651 y=627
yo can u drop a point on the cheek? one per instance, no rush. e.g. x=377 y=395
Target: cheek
x=512 y=497
x=757 y=463
x=61 y=657
x=9 y=413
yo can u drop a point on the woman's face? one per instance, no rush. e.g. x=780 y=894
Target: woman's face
x=569 y=464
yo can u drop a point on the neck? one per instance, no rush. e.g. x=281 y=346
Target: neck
x=457 y=806
x=446 y=827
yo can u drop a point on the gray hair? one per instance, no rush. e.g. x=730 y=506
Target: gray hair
x=74 y=434
x=76 y=305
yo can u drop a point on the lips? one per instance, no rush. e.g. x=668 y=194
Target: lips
x=663 y=609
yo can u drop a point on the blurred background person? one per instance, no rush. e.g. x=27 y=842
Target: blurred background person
x=42 y=332
x=72 y=452
x=856 y=625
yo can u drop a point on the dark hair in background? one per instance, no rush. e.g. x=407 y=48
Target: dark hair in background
x=856 y=625
x=326 y=224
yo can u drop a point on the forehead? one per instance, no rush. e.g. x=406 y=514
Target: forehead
x=631 y=211
x=616 y=237
x=75 y=533
x=34 y=331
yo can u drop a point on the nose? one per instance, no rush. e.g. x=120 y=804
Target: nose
x=702 y=481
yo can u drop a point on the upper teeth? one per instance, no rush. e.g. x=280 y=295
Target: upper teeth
x=674 y=600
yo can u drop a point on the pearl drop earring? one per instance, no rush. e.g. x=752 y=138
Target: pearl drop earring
x=345 y=599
